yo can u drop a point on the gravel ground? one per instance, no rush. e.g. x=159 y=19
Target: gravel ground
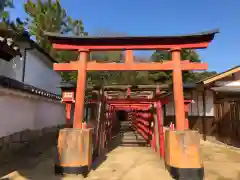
x=221 y=162
x=36 y=162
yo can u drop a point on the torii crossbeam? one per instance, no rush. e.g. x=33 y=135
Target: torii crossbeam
x=173 y=43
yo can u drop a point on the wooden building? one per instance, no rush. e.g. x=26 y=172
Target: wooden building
x=225 y=87
x=215 y=110
x=200 y=110
x=26 y=62
x=25 y=109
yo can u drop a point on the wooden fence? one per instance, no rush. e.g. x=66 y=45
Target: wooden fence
x=227 y=119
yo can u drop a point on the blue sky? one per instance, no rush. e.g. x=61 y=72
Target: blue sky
x=164 y=17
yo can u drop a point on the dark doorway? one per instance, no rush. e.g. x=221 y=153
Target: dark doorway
x=122 y=115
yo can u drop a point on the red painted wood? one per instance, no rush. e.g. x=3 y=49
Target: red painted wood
x=129 y=102
x=131 y=47
x=160 y=128
x=68 y=114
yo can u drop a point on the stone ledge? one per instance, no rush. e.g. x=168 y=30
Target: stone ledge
x=15 y=142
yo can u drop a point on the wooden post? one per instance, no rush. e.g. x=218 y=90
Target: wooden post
x=204 y=114
x=128 y=92
x=80 y=91
x=178 y=89
x=186 y=105
x=160 y=128
x=156 y=130
x=68 y=114
x=186 y=116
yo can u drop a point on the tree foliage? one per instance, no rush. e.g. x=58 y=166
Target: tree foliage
x=4 y=4
x=5 y=20
x=166 y=76
x=51 y=17
x=45 y=16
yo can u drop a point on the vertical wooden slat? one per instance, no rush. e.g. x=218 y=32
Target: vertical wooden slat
x=204 y=114
x=227 y=113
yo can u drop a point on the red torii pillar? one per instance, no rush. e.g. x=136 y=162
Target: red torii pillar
x=160 y=124
x=80 y=90
x=187 y=102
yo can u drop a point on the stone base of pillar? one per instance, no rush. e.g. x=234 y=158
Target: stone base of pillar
x=186 y=173
x=74 y=151
x=83 y=170
x=182 y=155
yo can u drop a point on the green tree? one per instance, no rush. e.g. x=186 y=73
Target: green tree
x=4 y=15
x=202 y=75
x=45 y=16
x=107 y=56
x=117 y=77
x=105 y=78
x=50 y=16
x=75 y=28
x=5 y=20
x=166 y=76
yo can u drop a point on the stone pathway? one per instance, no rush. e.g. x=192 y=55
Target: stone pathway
x=131 y=163
x=122 y=163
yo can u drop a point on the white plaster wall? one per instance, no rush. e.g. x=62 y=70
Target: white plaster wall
x=21 y=111
x=39 y=74
x=196 y=108
x=209 y=103
x=38 y=71
x=11 y=69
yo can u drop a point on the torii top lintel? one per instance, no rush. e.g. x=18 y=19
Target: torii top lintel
x=195 y=41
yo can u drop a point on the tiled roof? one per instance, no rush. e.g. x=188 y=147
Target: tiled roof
x=16 y=85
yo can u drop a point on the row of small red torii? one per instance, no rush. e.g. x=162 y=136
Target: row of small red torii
x=145 y=127
x=172 y=43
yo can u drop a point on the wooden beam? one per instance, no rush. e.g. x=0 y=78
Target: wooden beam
x=94 y=66
x=144 y=66
x=194 y=66
x=127 y=67
x=130 y=101
x=132 y=47
x=136 y=105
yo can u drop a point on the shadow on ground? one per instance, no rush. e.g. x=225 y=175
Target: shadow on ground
x=36 y=161
x=126 y=137
x=23 y=162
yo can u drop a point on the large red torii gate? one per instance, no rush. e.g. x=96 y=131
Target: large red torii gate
x=172 y=43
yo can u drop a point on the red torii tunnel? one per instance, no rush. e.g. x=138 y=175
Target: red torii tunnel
x=133 y=104
x=140 y=112
x=173 y=156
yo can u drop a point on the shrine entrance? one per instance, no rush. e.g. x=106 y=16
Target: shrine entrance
x=122 y=115
x=178 y=162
